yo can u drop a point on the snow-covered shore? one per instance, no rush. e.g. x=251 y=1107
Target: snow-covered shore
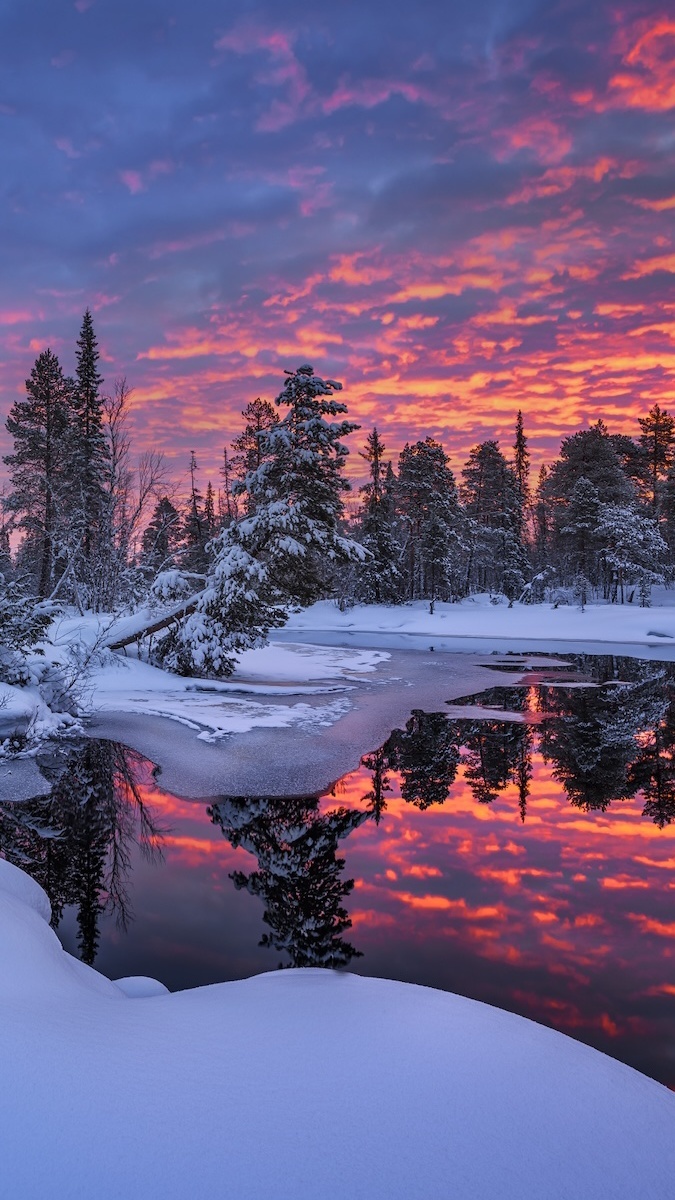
x=300 y=1084
x=478 y=624
x=316 y=679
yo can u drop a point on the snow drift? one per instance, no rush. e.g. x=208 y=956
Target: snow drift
x=300 y=1083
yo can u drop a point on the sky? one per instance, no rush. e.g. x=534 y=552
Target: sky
x=458 y=210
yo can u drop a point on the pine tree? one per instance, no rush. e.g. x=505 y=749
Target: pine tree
x=493 y=751
x=492 y=501
x=378 y=576
x=580 y=531
x=431 y=522
x=658 y=444
x=89 y=456
x=210 y=512
x=426 y=753
x=161 y=538
x=286 y=549
x=195 y=537
x=589 y=454
x=297 y=490
x=227 y=504
x=521 y=463
x=259 y=416
x=632 y=550
x=542 y=520
x=22 y=624
x=378 y=764
x=39 y=427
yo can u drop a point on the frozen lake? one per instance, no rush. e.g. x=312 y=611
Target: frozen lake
x=516 y=846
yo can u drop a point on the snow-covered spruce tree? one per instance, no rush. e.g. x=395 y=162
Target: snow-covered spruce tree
x=431 y=522
x=40 y=429
x=521 y=464
x=297 y=490
x=542 y=522
x=234 y=612
x=579 y=536
x=378 y=578
x=493 y=503
x=287 y=547
x=22 y=624
x=88 y=466
x=632 y=550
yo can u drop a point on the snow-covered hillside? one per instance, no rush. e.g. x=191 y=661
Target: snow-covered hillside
x=297 y=1085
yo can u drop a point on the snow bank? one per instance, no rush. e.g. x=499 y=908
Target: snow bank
x=302 y=1084
x=210 y=707
x=114 y=682
x=476 y=618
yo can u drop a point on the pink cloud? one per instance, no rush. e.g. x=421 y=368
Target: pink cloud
x=66 y=147
x=133 y=181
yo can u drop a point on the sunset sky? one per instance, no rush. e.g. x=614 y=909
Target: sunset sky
x=457 y=209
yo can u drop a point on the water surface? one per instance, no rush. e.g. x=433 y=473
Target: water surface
x=524 y=856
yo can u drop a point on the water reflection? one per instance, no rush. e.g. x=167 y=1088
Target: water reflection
x=524 y=858
x=76 y=841
x=299 y=873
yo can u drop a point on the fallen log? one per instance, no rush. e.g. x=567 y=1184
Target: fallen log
x=154 y=626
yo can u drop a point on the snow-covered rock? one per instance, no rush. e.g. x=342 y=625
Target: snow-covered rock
x=301 y=1084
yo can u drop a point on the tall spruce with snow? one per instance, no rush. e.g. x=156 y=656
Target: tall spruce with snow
x=431 y=522
x=580 y=536
x=492 y=501
x=632 y=553
x=38 y=501
x=589 y=456
x=298 y=489
x=542 y=521
x=378 y=578
x=288 y=546
x=89 y=460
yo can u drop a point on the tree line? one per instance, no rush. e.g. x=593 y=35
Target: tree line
x=103 y=534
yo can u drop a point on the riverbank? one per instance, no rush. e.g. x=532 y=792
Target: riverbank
x=478 y=624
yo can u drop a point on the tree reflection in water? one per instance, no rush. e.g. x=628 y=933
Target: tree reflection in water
x=77 y=840
x=605 y=744
x=299 y=872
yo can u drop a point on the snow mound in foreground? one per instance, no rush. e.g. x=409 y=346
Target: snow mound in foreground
x=301 y=1084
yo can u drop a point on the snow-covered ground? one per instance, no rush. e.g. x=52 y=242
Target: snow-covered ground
x=477 y=623
x=322 y=654
x=216 y=708
x=300 y=1084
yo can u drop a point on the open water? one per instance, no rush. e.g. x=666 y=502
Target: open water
x=523 y=855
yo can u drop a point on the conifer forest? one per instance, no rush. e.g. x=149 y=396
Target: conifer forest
x=88 y=524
